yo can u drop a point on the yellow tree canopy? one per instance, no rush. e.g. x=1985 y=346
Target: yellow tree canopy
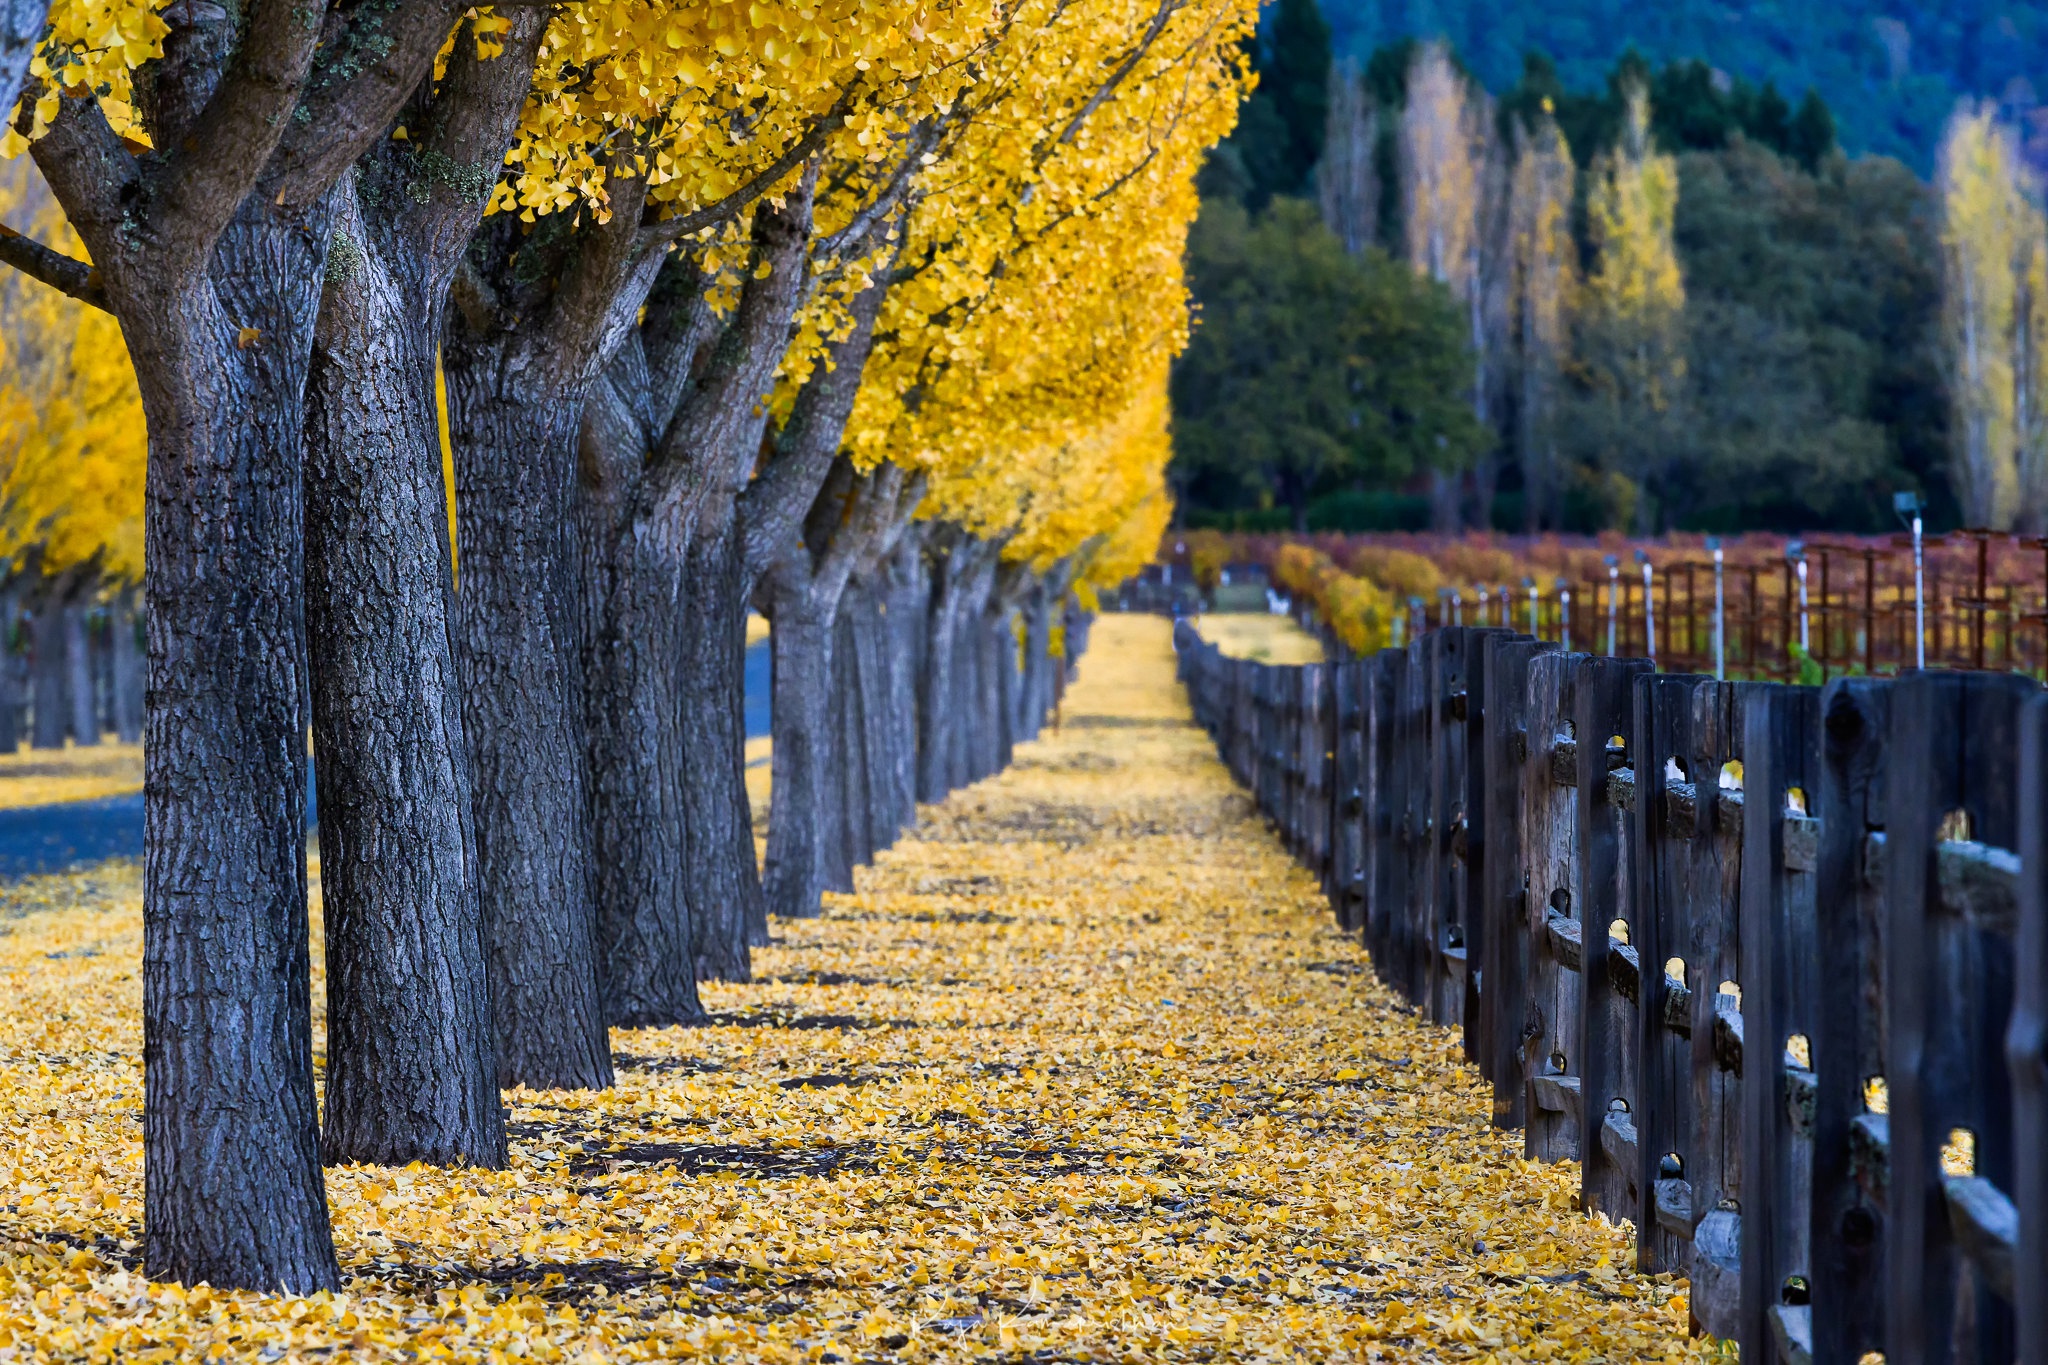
x=72 y=440
x=1025 y=355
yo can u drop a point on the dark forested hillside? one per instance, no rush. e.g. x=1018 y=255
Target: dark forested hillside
x=1890 y=69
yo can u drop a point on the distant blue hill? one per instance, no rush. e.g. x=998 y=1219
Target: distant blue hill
x=1890 y=70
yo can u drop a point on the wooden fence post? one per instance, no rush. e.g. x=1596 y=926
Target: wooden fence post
x=1386 y=798
x=1412 y=924
x=2026 y=1042
x=1611 y=974
x=1950 y=915
x=1506 y=1007
x=1846 y=1240
x=1350 y=699
x=1781 y=966
x=1551 y=903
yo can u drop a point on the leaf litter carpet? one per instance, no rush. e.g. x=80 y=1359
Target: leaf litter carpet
x=1082 y=1072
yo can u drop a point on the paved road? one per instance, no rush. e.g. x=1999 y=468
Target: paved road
x=51 y=838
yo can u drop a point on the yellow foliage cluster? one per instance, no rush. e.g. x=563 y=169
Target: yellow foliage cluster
x=1025 y=355
x=1631 y=208
x=72 y=441
x=93 y=45
x=1083 y=1069
x=1359 y=610
x=1404 y=573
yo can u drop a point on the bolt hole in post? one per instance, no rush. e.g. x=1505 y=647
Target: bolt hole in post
x=1799 y=1051
x=1618 y=930
x=1877 y=1096
x=1674 y=967
x=1671 y=1166
x=1795 y=801
x=1955 y=827
x=1559 y=1064
x=1731 y=776
x=1795 y=1291
x=1733 y=991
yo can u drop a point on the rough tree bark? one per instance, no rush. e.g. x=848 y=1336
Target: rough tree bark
x=950 y=564
x=851 y=514
x=50 y=718
x=80 y=686
x=127 y=673
x=657 y=488
x=412 y=1066
x=908 y=597
x=210 y=252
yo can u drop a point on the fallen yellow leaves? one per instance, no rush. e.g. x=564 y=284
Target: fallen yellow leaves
x=1082 y=1072
x=39 y=777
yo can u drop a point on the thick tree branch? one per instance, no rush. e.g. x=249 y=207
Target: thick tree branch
x=361 y=79
x=65 y=274
x=774 y=504
x=868 y=518
x=92 y=174
x=210 y=170
x=736 y=376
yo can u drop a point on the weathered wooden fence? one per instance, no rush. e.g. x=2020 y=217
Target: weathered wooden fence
x=1612 y=879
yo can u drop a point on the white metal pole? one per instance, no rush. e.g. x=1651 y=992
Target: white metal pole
x=1564 y=611
x=1649 y=616
x=1919 y=601
x=1805 y=644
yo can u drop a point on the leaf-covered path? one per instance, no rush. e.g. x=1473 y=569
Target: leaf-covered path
x=1083 y=1072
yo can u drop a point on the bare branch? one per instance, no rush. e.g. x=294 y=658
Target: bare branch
x=1166 y=11
x=668 y=230
x=65 y=274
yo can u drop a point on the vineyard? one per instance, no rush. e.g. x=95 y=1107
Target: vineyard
x=1788 y=609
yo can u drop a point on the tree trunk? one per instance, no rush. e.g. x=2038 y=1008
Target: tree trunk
x=517 y=632
x=881 y=813
x=849 y=821
x=127 y=673
x=1037 y=661
x=800 y=644
x=412 y=1069
x=52 y=713
x=633 y=719
x=10 y=682
x=233 y=1193
x=728 y=912
x=80 y=686
x=908 y=602
x=935 y=682
x=1005 y=693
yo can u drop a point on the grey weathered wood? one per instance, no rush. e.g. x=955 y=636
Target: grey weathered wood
x=1513 y=1024
x=2026 y=1041
x=1350 y=698
x=1550 y=919
x=1846 y=1229
x=1780 y=962
x=1604 y=709
x=1948 y=997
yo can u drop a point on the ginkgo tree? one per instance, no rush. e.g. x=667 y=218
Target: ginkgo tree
x=1076 y=193
x=650 y=254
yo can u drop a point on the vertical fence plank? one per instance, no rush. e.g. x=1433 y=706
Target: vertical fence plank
x=1780 y=996
x=1848 y=1043
x=1506 y=1006
x=1468 y=846
x=1385 y=806
x=1350 y=698
x=1949 y=983
x=2026 y=1045
x=1550 y=854
x=1662 y=893
x=1610 y=977
x=1412 y=925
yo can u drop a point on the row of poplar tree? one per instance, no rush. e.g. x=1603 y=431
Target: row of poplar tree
x=1675 y=301
x=858 y=312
